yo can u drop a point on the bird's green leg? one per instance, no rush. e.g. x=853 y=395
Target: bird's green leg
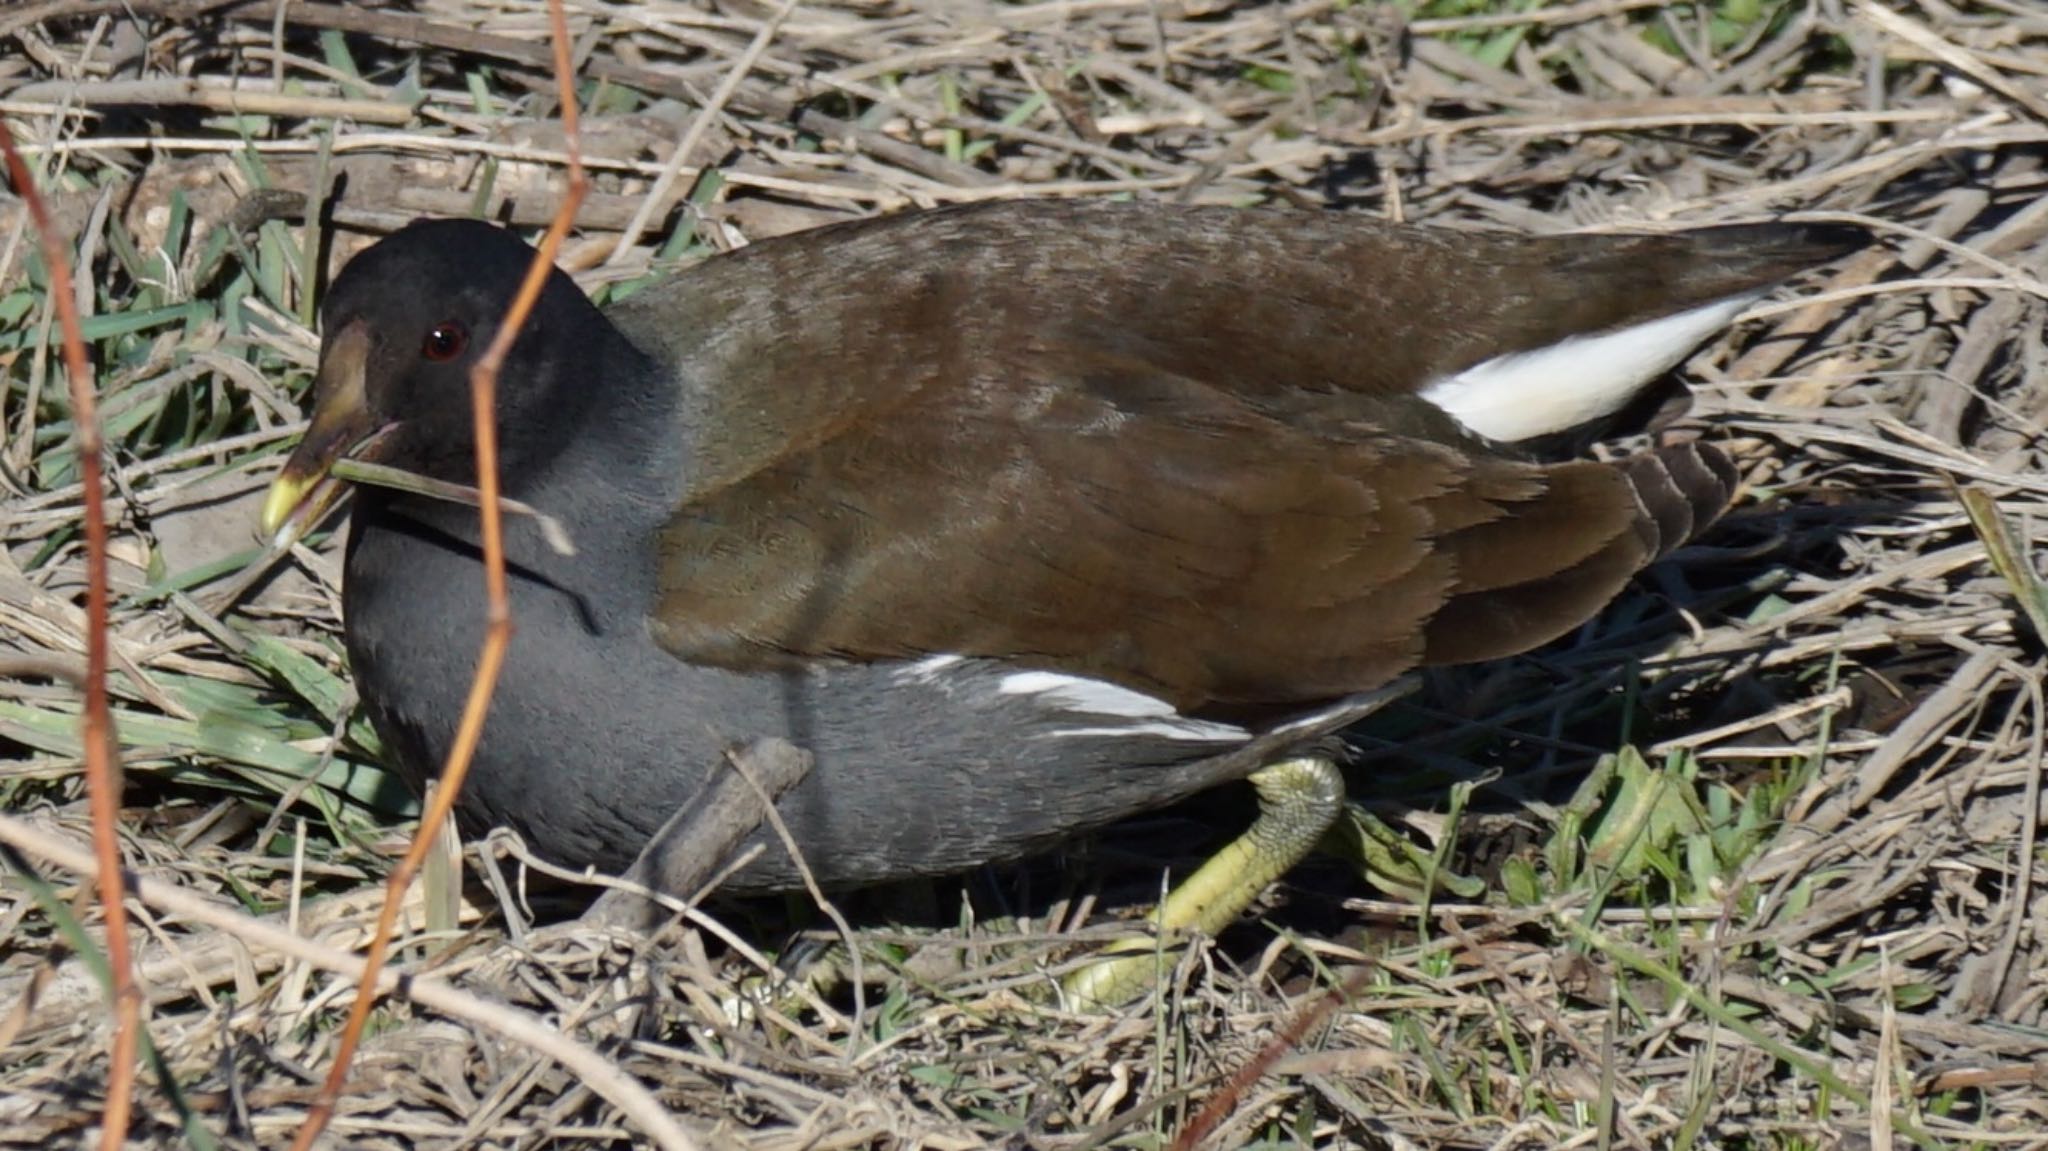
x=1299 y=800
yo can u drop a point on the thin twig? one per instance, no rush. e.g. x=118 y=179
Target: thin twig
x=102 y=769
x=700 y=123
x=498 y=626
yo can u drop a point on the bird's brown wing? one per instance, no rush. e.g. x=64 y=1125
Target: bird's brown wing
x=779 y=343
x=1108 y=519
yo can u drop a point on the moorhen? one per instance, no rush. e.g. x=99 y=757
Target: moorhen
x=1020 y=517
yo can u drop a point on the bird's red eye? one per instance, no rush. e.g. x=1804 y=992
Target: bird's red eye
x=445 y=341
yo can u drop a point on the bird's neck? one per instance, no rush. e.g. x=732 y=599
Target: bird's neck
x=609 y=485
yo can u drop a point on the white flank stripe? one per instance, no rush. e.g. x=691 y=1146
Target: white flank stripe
x=1192 y=730
x=1074 y=693
x=1560 y=387
x=1095 y=697
x=930 y=668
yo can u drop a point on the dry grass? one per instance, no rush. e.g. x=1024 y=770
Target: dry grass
x=1810 y=915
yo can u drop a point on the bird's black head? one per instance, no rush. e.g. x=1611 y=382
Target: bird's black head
x=403 y=327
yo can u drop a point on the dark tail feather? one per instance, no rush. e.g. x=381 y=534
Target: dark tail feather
x=1682 y=489
x=1678 y=491
x=1731 y=259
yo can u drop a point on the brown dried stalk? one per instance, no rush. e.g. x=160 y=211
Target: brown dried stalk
x=102 y=771
x=483 y=381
